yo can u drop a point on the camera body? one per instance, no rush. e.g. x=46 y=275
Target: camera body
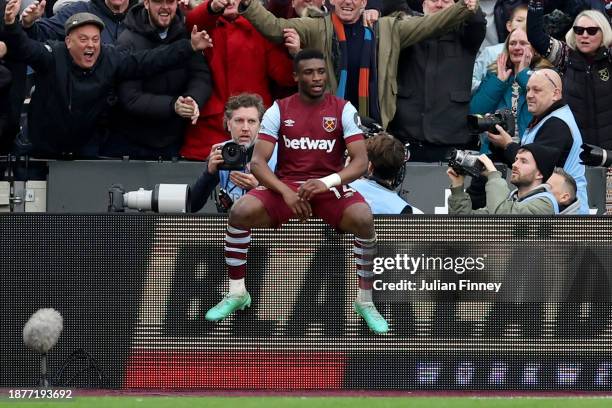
x=466 y=162
x=234 y=156
x=486 y=123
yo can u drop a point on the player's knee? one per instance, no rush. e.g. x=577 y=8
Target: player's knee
x=242 y=212
x=360 y=220
x=364 y=227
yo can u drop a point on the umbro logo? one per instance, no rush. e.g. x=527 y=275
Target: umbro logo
x=288 y=122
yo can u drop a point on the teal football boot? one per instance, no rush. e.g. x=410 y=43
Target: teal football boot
x=228 y=305
x=375 y=321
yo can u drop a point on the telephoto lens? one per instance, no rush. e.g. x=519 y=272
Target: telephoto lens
x=595 y=156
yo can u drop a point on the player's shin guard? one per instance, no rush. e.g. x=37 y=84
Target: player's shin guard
x=365 y=251
x=236 y=247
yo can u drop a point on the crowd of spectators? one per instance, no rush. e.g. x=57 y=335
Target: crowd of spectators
x=151 y=79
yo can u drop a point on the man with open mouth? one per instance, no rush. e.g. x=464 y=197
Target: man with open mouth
x=75 y=77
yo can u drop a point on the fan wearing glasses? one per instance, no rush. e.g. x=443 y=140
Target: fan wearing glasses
x=585 y=63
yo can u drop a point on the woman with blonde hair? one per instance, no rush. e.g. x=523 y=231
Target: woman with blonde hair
x=505 y=86
x=584 y=60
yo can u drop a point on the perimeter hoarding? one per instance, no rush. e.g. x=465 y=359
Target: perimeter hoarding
x=473 y=303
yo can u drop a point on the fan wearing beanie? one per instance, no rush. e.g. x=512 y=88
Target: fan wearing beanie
x=532 y=167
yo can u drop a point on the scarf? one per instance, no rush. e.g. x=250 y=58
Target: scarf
x=367 y=91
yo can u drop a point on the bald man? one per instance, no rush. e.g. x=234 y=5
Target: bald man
x=553 y=124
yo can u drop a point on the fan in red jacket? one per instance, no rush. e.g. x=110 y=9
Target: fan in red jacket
x=242 y=60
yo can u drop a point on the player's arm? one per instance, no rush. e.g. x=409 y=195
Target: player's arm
x=358 y=154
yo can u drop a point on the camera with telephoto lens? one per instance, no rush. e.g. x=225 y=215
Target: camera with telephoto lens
x=164 y=198
x=595 y=156
x=486 y=123
x=234 y=156
x=466 y=162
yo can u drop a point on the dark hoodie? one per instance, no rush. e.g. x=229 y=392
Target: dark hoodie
x=52 y=28
x=147 y=117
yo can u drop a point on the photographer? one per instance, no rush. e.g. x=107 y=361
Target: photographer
x=242 y=119
x=553 y=125
x=533 y=165
x=387 y=157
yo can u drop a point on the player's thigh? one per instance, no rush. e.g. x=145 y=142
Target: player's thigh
x=346 y=210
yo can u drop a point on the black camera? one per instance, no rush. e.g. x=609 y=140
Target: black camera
x=595 y=156
x=369 y=127
x=466 y=162
x=234 y=156
x=486 y=123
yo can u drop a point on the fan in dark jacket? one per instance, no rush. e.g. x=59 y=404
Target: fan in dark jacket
x=434 y=88
x=74 y=77
x=154 y=112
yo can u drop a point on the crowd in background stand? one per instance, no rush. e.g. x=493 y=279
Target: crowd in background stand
x=179 y=113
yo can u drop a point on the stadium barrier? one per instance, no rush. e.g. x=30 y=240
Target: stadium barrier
x=507 y=303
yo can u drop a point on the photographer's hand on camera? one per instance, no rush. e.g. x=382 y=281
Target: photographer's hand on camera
x=215 y=159
x=456 y=179
x=488 y=164
x=502 y=140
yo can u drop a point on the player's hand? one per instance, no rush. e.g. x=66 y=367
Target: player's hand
x=11 y=10
x=370 y=17
x=456 y=179
x=292 y=41
x=311 y=188
x=244 y=180
x=215 y=159
x=32 y=13
x=300 y=208
x=502 y=140
x=489 y=166
x=3 y=49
